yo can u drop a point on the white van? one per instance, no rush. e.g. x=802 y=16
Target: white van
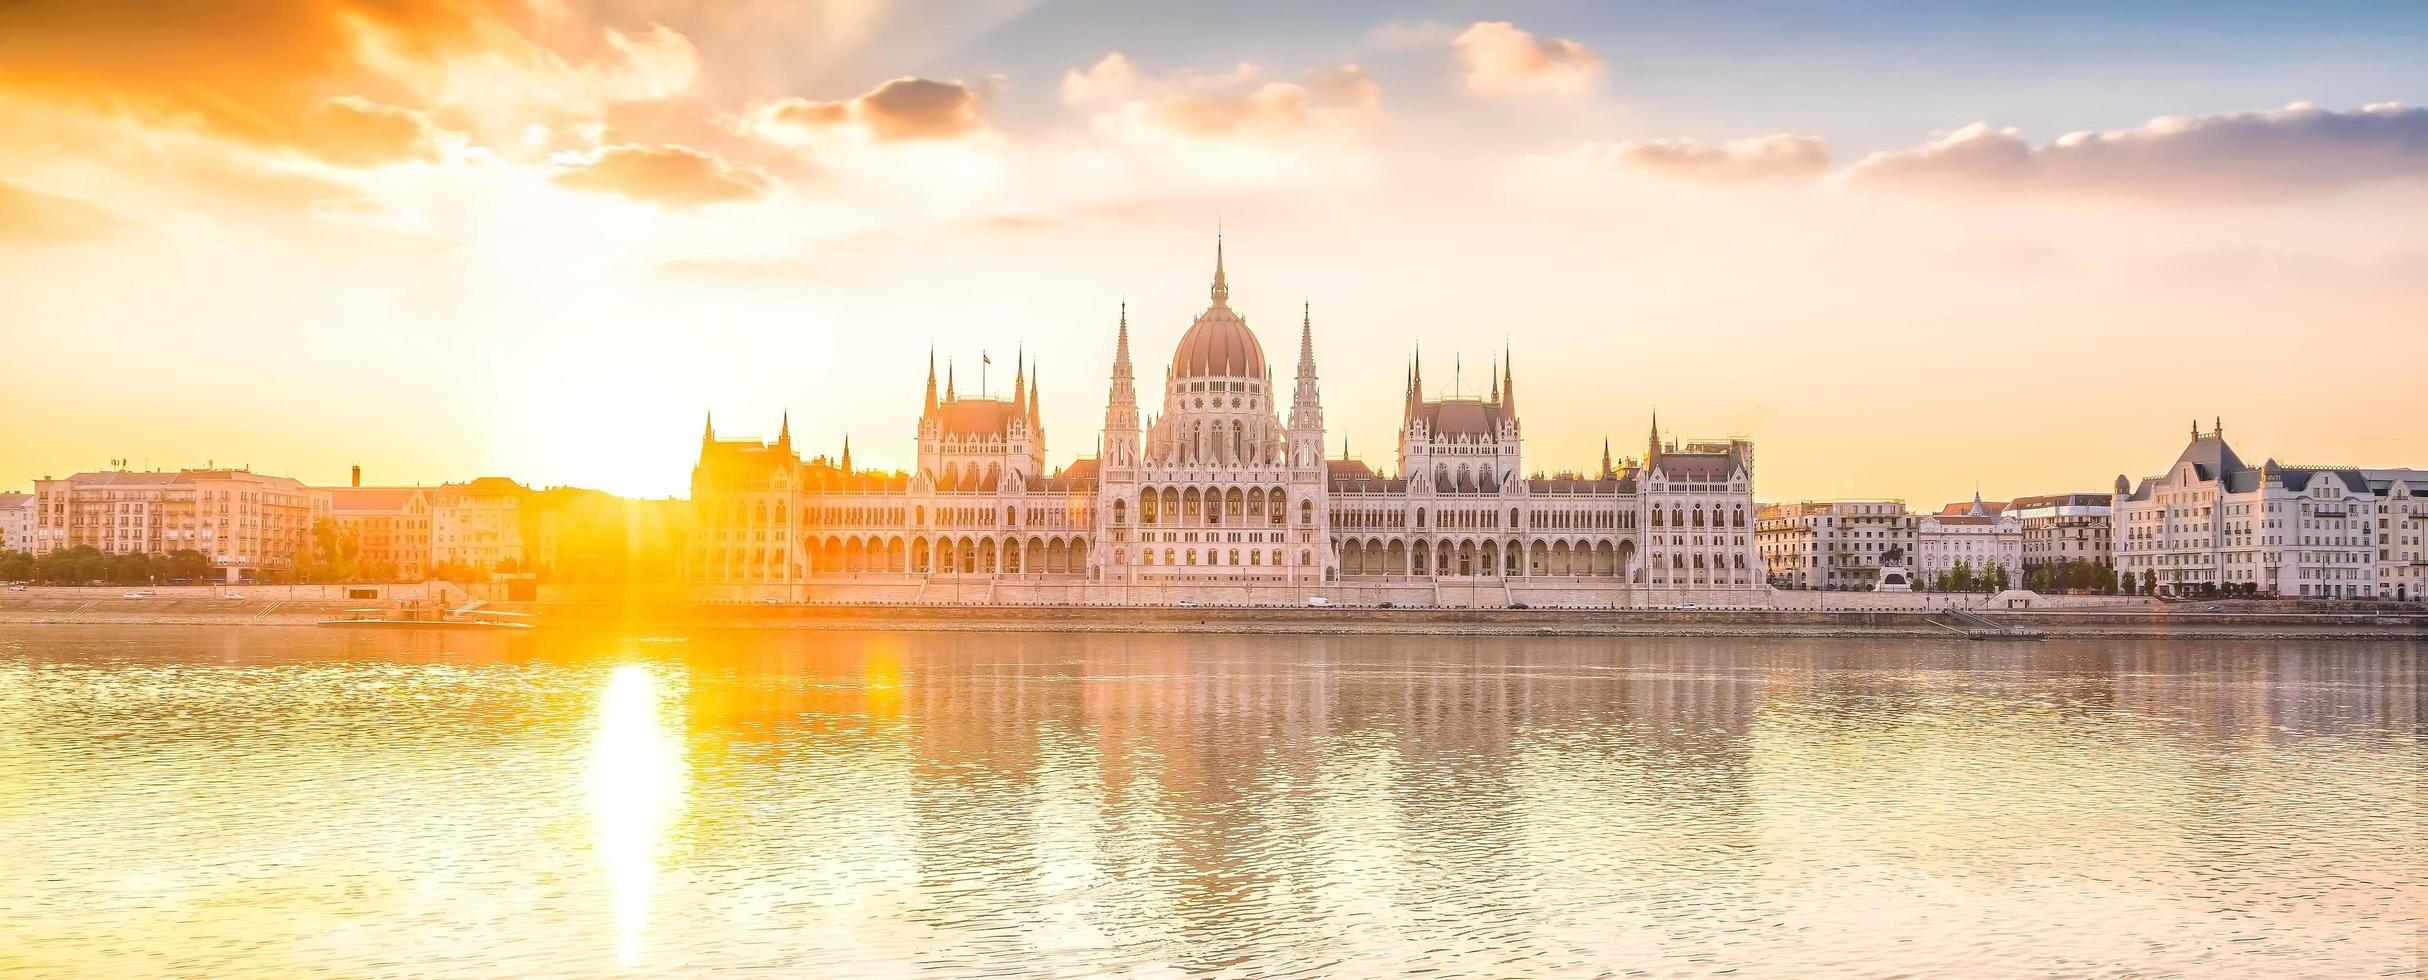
x=1316 y=600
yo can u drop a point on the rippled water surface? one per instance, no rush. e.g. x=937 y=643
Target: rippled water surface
x=266 y=802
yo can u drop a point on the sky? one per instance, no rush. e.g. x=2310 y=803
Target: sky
x=1910 y=249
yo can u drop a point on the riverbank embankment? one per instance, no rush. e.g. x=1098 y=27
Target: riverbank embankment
x=2251 y=621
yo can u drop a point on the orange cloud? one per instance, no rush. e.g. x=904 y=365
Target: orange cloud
x=902 y=109
x=354 y=132
x=1779 y=155
x=2295 y=151
x=345 y=81
x=257 y=71
x=30 y=215
x=1501 y=59
x=665 y=175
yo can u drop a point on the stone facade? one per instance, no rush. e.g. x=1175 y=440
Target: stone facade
x=1979 y=536
x=1835 y=544
x=1224 y=495
x=245 y=522
x=2303 y=531
x=2064 y=527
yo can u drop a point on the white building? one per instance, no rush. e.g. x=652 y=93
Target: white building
x=1978 y=536
x=246 y=523
x=478 y=525
x=1222 y=495
x=2212 y=521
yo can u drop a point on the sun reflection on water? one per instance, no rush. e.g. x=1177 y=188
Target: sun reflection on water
x=635 y=788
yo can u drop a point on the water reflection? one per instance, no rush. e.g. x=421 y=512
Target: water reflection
x=925 y=805
x=636 y=786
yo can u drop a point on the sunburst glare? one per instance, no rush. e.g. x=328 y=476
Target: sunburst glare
x=636 y=786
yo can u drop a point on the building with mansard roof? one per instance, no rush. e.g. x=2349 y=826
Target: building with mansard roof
x=2213 y=522
x=1222 y=493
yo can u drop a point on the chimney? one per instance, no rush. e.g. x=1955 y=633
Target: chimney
x=358 y=474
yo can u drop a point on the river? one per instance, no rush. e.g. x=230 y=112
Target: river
x=231 y=801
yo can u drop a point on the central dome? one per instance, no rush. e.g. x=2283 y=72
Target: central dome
x=1219 y=344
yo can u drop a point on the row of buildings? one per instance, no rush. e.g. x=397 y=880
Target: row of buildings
x=1218 y=489
x=2210 y=524
x=1222 y=492
x=255 y=526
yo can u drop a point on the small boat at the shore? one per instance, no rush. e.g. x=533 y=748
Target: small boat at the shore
x=408 y=614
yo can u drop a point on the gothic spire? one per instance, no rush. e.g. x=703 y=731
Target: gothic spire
x=1607 y=472
x=1306 y=338
x=931 y=378
x=784 y=431
x=1652 y=443
x=847 y=454
x=1020 y=379
x=948 y=382
x=1121 y=344
x=1222 y=286
x=708 y=432
x=1508 y=382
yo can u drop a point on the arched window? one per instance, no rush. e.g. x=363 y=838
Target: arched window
x=1306 y=512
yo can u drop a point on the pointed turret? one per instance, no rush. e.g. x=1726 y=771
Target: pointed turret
x=1222 y=285
x=1020 y=377
x=949 y=395
x=1652 y=443
x=931 y=379
x=1119 y=437
x=847 y=454
x=784 y=432
x=1035 y=385
x=1306 y=400
x=1508 y=384
x=1607 y=471
x=708 y=432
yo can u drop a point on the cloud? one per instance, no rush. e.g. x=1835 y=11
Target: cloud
x=902 y=109
x=354 y=132
x=29 y=215
x=262 y=73
x=1501 y=59
x=2291 y=152
x=1776 y=156
x=665 y=175
x=1232 y=106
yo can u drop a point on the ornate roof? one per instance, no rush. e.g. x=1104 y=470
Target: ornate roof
x=1219 y=344
x=1470 y=417
x=977 y=417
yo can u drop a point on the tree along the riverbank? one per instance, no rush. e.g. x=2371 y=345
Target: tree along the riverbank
x=85 y=565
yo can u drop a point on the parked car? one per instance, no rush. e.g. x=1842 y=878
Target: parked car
x=1186 y=602
x=1386 y=606
x=138 y=595
x=233 y=595
x=1688 y=605
x=1519 y=605
x=1316 y=600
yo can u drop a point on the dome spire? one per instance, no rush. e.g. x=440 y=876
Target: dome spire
x=1222 y=285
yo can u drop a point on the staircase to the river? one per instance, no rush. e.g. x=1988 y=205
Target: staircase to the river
x=1974 y=626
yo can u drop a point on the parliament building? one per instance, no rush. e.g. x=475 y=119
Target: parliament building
x=1222 y=495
